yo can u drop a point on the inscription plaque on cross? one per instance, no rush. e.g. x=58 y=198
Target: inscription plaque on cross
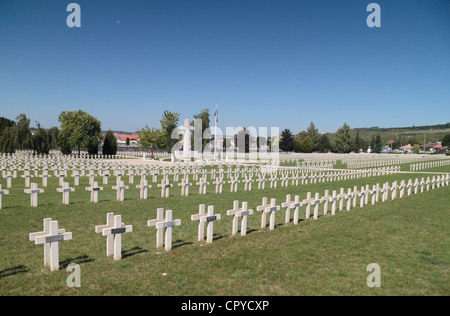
x=144 y=186
x=34 y=191
x=50 y=238
x=209 y=219
x=162 y=224
x=65 y=190
x=118 y=228
x=94 y=188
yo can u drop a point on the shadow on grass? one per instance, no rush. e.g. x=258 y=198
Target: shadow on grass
x=181 y=243
x=13 y=271
x=77 y=260
x=132 y=252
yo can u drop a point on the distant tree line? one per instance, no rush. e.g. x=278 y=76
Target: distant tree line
x=79 y=131
x=342 y=141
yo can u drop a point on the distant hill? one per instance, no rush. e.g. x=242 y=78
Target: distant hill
x=431 y=132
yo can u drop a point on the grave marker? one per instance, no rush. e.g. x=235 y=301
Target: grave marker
x=50 y=238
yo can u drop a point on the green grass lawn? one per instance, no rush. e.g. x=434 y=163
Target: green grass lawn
x=408 y=238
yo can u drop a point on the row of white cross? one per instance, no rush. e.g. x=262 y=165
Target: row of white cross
x=428 y=165
x=165 y=187
x=164 y=225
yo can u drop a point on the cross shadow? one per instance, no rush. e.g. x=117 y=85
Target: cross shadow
x=77 y=260
x=132 y=252
x=216 y=237
x=180 y=243
x=13 y=271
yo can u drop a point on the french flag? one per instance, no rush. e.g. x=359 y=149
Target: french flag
x=216 y=115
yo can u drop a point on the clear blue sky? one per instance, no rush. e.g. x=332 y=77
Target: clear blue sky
x=265 y=63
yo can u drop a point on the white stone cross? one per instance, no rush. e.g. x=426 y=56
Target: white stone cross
x=164 y=223
x=261 y=182
x=65 y=190
x=288 y=206
x=242 y=212
x=196 y=217
x=120 y=188
x=2 y=192
x=165 y=187
x=110 y=238
x=233 y=212
x=144 y=186
x=234 y=184
x=116 y=230
x=209 y=219
x=326 y=199
x=349 y=198
x=261 y=208
x=185 y=186
x=341 y=197
x=34 y=191
x=272 y=210
x=409 y=186
x=50 y=238
x=8 y=177
x=27 y=176
x=248 y=183
x=402 y=189
x=44 y=177
x=202 y=186
x=394 y=190
x=333 y=199
x=94 y=188
x=219 y=183
x=159 y=231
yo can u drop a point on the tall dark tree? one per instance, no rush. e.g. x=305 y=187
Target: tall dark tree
x=313 y=133
x=109 y=144
x=342 y=140
x=23 y=140
x=446 y=141
x=377 y=144
x=357 y=143
x=324 y=144
x=169 y=122
x=287 y=142
x=8 y=132
x=41 y=141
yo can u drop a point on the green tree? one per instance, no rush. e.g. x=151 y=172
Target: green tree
x=324 y=144
x=54 y=132
x=307 y=145
x=8 y=140
x=446 y=141
x=313 y=133
x=41 y=141
x=109 y=144
x=151 y=138
x=127 y=141
x=169 y=122
x=79 y=130
x=343 y=141
x=23 y=137
x=357 y=143
x=377 y=144
x=8 y=131
x=287 y=142
x=204 y=117
x=414 y=141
